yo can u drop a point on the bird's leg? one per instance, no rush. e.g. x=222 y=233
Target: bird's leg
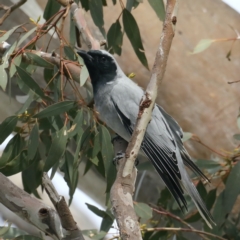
x=121 y=155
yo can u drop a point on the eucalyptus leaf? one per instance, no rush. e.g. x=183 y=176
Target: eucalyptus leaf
x=203 y=45
x=56 y=109
x=7 y=127
x=133 y=34
x=158 y=7
x=9 y=33
x=57 y=148
x=33 y=142
x=37 y=60
x=96 y=10
x=51 y=9
x=115 y=38
x=143 y=211
x=29 y=81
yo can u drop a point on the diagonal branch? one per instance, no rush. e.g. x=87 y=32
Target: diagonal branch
x=68 y=223
x=122 y=190
x=30 y=209
x=9 y=10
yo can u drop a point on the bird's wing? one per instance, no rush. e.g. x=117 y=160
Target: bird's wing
x=163 y=152
x=160 y=145
x=178 y=134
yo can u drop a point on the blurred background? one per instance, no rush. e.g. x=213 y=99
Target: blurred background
x=195 y=90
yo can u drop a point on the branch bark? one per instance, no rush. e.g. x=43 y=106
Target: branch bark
x=30 y=209
x=68 y=223
x=122 y=190
x=9 y=10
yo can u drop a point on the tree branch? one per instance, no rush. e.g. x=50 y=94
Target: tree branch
x=30 y=209
x=68 y=223
x=9 y=10
x=122 y=190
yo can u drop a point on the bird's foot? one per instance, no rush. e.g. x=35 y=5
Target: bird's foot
x=119 y=156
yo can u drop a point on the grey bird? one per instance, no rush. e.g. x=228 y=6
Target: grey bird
x=117 y=100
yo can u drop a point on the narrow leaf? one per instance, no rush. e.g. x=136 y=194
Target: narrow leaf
x=26 y=35
x=29 y=81
x=133 y=33
x=55 y=109
x=7 y=127
x=232 y=189
x=143 y=211
x=37 y=60
x=96 y=10
x=33 y=142
x=57 y=148
x=51 y=8
x=8 y=34
x=202 y=45
x=115 y=38
x=158 y=7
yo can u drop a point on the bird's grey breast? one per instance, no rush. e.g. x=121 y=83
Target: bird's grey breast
x=107 y=111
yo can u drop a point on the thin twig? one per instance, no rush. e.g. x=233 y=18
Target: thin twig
x=10 y=9
x=185 y=230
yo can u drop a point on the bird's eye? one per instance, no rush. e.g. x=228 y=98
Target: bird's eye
x=103 y=59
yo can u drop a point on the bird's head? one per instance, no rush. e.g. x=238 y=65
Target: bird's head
x=100 y=64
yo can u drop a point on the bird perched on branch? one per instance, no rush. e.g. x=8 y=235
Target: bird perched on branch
x=117 y=100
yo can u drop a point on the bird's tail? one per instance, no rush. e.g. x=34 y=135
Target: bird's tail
x=192 y=191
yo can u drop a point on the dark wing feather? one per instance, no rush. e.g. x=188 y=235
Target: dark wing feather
x=178 y=134
x=163 y=160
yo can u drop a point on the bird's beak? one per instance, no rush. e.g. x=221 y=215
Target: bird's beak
x=85 y=56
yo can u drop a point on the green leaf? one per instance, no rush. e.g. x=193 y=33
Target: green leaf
x=70 y=174
x=186 y=136
x=77 y=124
x=232 y=189
x=32 y=176
x=69 y=52
x=15 y=62
x=107 y=156
x=143 y=211
x=51 y=8
x=83 y=73
x=33 y=142
x=107 y=218
x=55 y=109
x=236 y=136
x=12 y=233
x=57 y=148
x=37 y=60
x=211 y=197
x=96 y=10
x=133 y=33
x=29 y=81
x=85 y=4
x=114 y=2
x=203 y=45
x=202 y=191
x=209 y=165
x=4 y=230
x=4 y=65
x=158 y=7
x=9 y=33
x=115 y=38
x=26 y=35
x=7 y=127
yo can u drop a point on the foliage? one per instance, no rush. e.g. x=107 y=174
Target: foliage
x=58 y=129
